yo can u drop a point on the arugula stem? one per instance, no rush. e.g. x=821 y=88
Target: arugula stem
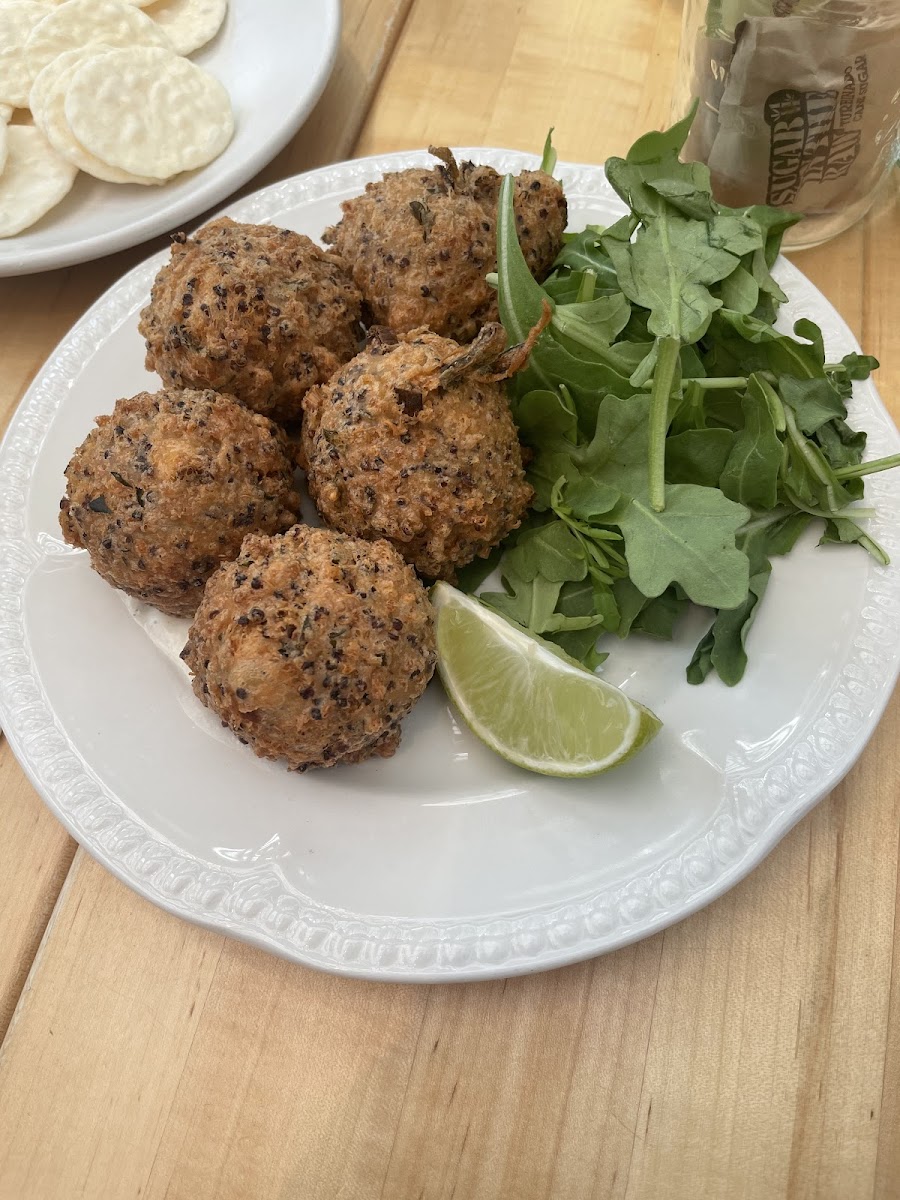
x=765 y=520
x=773 y=400
x=877 y=551
x=850 y=512
x=663 y=383
x=586 y=287
x=812 y=457
x=736 y=382
x=868 y=468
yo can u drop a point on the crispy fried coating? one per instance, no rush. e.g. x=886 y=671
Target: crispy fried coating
x=313 y=646
x=413 y=441
x=259 y=312
x=166 y=488
x=421 y=241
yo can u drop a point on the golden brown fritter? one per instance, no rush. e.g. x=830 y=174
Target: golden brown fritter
x=168 y=486
x=259 y=312
x=313 y=646
x=420 y=243
x=413 y=441
x=541 y=213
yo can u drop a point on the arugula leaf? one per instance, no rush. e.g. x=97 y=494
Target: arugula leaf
x=531 y=603
x=750 y=475
x=552 y=551
x=859 y=366
x=659 y=616
x=583 y=600
x=649 y=188
x=548 y=160
x=840 y=529
x=584 y=252
x=595 y=324
x=689 y=194
x=604 y=605
x=545 y=417
x=691 y=363
x=698 y=456
x=548 y=468
x=669 y=269
x=617 y=453
x=734 y=230
x=752 y=345
x=587 y=497
x=807 y=477
x=580 y=645
x=631 y=601
x=851 y=368
x=520 y=297
x=586 y=598
x=773 y=223
x=666 y=144
x=651 y=176
x=739 y=291
x=815 y=401
x=841 y=445
x=472 y=576
x=723 y=647
x=699 y=667
x=691 y=543
x=588 y=375
x=783 y=536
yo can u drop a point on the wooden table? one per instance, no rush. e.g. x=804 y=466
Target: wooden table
x=752 y=1051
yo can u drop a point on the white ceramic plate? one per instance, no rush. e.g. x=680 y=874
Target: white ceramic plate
x=443 y=862
x=275 y=59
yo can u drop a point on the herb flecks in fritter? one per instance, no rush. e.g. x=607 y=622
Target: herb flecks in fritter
x=413 y=441
x=165 y=489
x=260 y=312
x=313 y=646
x=420 y=242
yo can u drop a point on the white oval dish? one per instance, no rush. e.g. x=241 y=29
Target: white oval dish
x=274 y=66
x=444 y=862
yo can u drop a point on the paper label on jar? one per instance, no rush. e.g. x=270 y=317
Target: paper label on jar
x=808 y=112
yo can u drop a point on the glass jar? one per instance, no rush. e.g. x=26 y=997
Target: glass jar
x=799 y=104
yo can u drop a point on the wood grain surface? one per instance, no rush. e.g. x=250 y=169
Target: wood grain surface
x=750 y=1053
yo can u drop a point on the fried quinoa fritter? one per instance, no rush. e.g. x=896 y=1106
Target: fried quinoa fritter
x=166 y=488
x=413 y=441
x=420 y=242
x=313 y=646
x=259 y=312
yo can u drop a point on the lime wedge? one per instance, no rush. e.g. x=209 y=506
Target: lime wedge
x=528 y=700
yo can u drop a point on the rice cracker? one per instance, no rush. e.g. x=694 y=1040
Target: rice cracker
x=78 y=22
x=48 y=107
x=189 y=24
x=36 y=178
x=18 y=19
x=149 y=112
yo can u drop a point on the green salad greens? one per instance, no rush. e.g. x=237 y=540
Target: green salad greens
x=678 y=440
